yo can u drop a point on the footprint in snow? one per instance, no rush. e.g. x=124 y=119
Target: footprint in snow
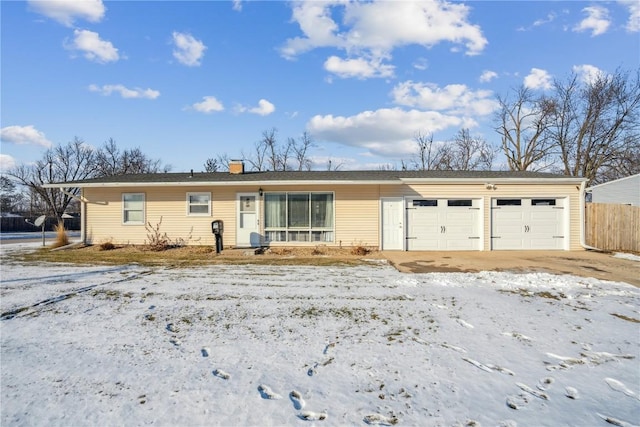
x=518 y=401
x=571 y=393
x=267 y=393
x=313 y=416
x=172 y=328
x=380 y=420
x=615 y=421
x=312 y=371
x=621 y=387
x=296 y=398
x=545 y=383
x=465 y=324
x=175 y=341
x=538 y=394
x=328 y=347
x=221 y=374
x=477 y=364
x=205 y=351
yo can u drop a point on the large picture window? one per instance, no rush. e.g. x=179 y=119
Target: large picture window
x=199 y=204
x=298 y=217
x=133 y=208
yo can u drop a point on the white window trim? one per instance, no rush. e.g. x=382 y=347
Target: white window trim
x=201 y=193
x=144 y=209
x=308 y=229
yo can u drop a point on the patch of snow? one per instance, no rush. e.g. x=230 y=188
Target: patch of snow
x=630 y=257
x=225 y=345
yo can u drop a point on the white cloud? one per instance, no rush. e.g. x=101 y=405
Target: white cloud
x=188 y=50
x=67 y=11
x=455 y=98
x=588 y=73
x=421 y=64
x=633 y=24
x=372 y=30
x=237 y=5
x=264 y=108
x=93 y=47
x=597 y=21
x=359 y=67
x=209 y=105
x=550 y=18
x=538 y=79
x=125 y=92
x=7 y=162
x=24 y=135
x=385 y=131
x=487 y=76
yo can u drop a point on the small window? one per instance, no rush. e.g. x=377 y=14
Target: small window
x=464 y=202
x=133 y=208
x=427 y=203
x=543 y=202
x=509 y=202
x=199 y=204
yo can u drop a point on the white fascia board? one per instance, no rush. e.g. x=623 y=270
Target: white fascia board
x=219 y=183
x=563 y=180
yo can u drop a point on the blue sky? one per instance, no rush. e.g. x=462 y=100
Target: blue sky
x=185 y=81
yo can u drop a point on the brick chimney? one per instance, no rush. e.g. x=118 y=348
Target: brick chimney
x=236 y=167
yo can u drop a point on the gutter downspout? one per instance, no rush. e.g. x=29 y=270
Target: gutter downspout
x=583 y=241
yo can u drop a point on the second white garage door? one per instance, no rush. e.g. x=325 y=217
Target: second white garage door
x=523 y=223
x=443 y=224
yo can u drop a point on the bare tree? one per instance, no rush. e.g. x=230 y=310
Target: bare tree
x=110 y=160
x=427 y=155
x=596 y=125
x=64 y=163
x=522 y=123
x=300 y=152
x=465 y=153
x=333 y=166
x=256 y=159
x=211 y=165
x=270 y=143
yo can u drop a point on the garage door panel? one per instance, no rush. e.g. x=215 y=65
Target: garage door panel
x=438 y=226
x=531 y=224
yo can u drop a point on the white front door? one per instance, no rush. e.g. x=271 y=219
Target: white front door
x=248 y=228
x=392 y=224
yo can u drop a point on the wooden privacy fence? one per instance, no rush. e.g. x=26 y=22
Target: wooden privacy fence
x=612 y=227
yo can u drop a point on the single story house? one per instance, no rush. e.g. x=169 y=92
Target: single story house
x=623 y=191
x=388 y=210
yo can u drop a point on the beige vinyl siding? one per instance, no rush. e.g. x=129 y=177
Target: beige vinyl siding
x=356 y=207
x=166 y=204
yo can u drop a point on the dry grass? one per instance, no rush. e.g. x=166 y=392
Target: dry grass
x=196 y=255
x=62 y=239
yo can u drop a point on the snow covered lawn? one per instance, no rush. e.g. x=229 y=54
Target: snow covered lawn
x=326 y=346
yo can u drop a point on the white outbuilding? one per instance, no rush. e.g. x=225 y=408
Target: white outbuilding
x=624 y=191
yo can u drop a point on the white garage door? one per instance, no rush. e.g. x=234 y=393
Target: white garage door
x=521 y=224
x=443 y=224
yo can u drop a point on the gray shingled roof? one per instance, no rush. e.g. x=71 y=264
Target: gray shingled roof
x=310 y=176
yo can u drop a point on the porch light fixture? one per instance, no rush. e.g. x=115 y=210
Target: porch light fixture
x=260 y=192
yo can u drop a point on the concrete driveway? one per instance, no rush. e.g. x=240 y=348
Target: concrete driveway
x=600 y=265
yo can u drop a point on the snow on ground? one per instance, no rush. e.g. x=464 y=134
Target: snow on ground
x=325 y=346
x=628 y=256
